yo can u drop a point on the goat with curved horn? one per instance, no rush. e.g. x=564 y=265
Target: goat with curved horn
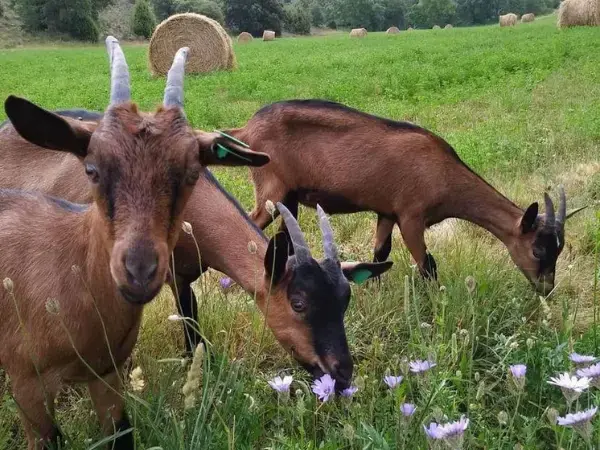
x=327 y=232
x=175 y=77
x=301 y=249
x=120 y=91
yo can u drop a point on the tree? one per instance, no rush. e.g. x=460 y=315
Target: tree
x=163 y=8
x=205 y=7
x=316 y=16
x=254 y=16
x=427 y=13
x=297 y=19
x=143 y=21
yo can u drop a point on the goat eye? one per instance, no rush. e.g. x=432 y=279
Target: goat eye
x=298 y=305
x=92 y=172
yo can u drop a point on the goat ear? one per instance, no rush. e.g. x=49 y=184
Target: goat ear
x=276 y=257
x=360 y=272
x=529 y=218
x=46 y=129
x=218 y=150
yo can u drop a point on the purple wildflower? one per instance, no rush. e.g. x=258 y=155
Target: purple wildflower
x=393 y=381
x=226 y=282
x=582 y=360
x=407 y=409
x=434 y=431
x=419 y=366
x=592 y=372
x=349 y=392
x=581 y=422
x=452 y=432
x=281 y=384
x=324 y=387
x=518 y=372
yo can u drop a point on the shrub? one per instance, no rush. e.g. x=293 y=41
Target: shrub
x=116 y=19
x=316 y=16
x=205 y=7
x=254 y=16
x=297 y=20
x=143 y=20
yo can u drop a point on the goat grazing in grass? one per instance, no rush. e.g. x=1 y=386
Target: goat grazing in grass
x=293 y=289
x=348 y=161
x=77 y=276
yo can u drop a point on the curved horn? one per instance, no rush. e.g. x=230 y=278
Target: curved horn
x=562 y=206
x=301 y=249
x=550 y=219
x=174 y=89
x=120 y=90
x=328 y=242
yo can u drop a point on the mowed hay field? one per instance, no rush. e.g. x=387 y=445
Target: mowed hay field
x=520 y=105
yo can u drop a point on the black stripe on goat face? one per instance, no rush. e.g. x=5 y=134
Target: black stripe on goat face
x=547 y=247
x=322 y=293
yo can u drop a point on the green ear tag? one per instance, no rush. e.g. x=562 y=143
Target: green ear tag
x=231 y=138
x=361 y=275
x=221 y=151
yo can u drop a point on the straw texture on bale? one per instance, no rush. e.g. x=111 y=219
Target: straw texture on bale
x=210 y=46
x=508 y=20
x=448 y=26
x=436 y=27
x=268 y=35
x=358 y=32
x=579 y=12
x=393 y=30
x=530 y=17
x=244 y=37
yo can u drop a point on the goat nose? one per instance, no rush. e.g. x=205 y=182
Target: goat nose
x=141 y=266
x=342 y=372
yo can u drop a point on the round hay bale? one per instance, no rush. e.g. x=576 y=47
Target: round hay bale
x=530 y=17
x=508 y=20
x=574 y=13
x=244 y=37
x=436 y=27
x=210 y=46
x=358 y=32
x=268 y=35
x=392 y=30
x=410 y=29
x=448 y=26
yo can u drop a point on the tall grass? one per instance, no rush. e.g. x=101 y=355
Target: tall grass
x=519 y=105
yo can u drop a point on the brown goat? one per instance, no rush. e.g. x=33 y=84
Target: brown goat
x=348 y=161
x=290 y=290
x=77 y=276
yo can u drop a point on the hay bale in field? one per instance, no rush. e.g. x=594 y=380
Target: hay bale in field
x=530 y=17
x=210 y=46
x=508 y=20
x=448 y=26
x=392 y=30
x=268 y=35
x=244 y=37
x=436 y=27
x=358 y=32
x=574 y=13
x=410 y=29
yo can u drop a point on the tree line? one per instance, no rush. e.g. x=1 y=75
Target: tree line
x=80 y=19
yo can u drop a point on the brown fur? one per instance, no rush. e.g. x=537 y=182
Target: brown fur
x=77 y=263
x=352 y=161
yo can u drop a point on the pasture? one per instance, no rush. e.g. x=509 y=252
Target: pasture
x=521 y=106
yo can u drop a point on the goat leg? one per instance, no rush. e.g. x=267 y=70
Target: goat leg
x=108 y=400
x=35 y=400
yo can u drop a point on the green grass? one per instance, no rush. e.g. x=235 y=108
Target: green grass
x=521 y=106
